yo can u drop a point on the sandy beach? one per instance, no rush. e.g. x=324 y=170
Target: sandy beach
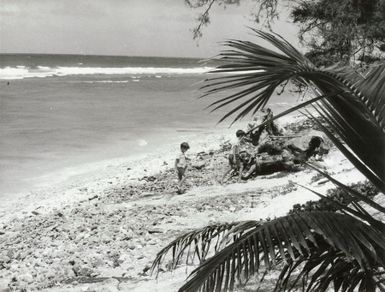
x=102 y=230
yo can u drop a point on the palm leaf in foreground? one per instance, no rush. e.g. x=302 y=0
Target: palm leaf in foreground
x=203 y=240
x=305 y=237
x=330 y=267
x=319 y=249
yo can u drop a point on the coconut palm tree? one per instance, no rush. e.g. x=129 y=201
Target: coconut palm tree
x=320 y=249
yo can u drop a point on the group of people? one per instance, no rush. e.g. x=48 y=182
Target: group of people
x=268 y=157
x=250 y=158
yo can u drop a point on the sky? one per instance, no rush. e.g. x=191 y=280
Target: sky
x=122 y=27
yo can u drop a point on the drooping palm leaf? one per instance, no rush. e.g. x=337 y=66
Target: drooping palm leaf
x=353 y=107
x=344 y=208
x=352 y=139
x=296 y=237
x=326 y=267
x=203 y=240
x=371 y=89
x=350 y=116
x=354 y=193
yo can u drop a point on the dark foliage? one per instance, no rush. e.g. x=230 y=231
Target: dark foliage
x=312 y=242
x=336 y=31
x=335 y=198
x=333 y=31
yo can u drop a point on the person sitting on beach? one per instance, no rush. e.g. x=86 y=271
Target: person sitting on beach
x=255 y=135
x=181 y=166
x=253 y=131
x=245 y=161
x=270 y=126
x=242 y=141
x=260 y=167
x=234 y=157
x=290 y=157
x=314 y=148
x=276 y=147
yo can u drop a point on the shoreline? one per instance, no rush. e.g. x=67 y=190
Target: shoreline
x=106 y=233
x=70 y=182
x=102 y=174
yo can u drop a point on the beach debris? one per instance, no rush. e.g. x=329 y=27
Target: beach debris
x=59 y=214
x=199 y=164
x=148 y=194
x=152 y=231
x=324 y=181
x=148 y=178
x=146 y=268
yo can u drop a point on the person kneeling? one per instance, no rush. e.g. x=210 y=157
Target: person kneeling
x=268 y=167
x=243 y=161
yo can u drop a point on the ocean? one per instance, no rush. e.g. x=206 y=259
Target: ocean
x=60 y=111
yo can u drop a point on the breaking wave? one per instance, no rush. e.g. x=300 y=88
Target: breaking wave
x=21 y=72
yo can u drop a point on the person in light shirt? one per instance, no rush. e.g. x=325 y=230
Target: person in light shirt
x=181 y=166
x=235 y=163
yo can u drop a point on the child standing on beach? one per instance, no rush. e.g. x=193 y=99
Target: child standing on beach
x=181 y=166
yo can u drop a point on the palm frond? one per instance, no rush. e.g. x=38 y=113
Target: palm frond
x=325 y=268
x=353 y=105
x=202 y=241
x=358 y=150
x=289 y=239
x=354 y=193
x=350 y=116
x=370 y=88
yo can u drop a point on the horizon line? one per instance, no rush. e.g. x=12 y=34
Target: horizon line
x=102 y=55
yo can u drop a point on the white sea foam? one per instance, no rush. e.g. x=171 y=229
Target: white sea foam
x=107 y=81
x=142 y=142
x=21 y=72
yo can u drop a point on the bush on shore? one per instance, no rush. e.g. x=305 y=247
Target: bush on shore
x=335 y=196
